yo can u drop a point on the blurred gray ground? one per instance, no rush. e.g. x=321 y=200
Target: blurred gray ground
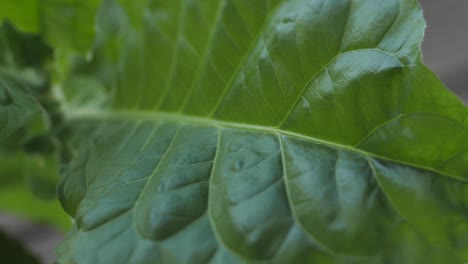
x=39 y=239
x=445 y=50
x=445 y=46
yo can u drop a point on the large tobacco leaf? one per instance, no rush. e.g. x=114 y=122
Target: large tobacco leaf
x=266 y=131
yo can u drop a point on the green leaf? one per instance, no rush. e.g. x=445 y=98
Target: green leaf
x=26 y=177
x=22 y=13
x=17 y=106
x=22 y=51
x=69 y=24
x=21 y=60
x=266 y=132
x=65 y=24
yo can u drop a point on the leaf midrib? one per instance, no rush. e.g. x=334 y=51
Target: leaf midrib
x=195 y=120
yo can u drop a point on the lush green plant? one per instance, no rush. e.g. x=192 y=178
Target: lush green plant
x=234 y=131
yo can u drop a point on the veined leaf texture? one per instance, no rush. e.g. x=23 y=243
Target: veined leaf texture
x=264 y=131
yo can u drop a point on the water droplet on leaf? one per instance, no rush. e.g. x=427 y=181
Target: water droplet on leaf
x=233 y=148
x=289 y=18
x=161 y=188
x=238 y=166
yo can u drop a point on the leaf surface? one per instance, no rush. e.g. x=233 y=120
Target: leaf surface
x=266 y=132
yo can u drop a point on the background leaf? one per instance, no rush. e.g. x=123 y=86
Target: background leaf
x=17 y=106
x=64 y=24
x=23 y=13
x=29 y=167
x=21 y=190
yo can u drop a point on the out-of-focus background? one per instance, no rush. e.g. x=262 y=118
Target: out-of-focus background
x=445 y=50
x=445 y=46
